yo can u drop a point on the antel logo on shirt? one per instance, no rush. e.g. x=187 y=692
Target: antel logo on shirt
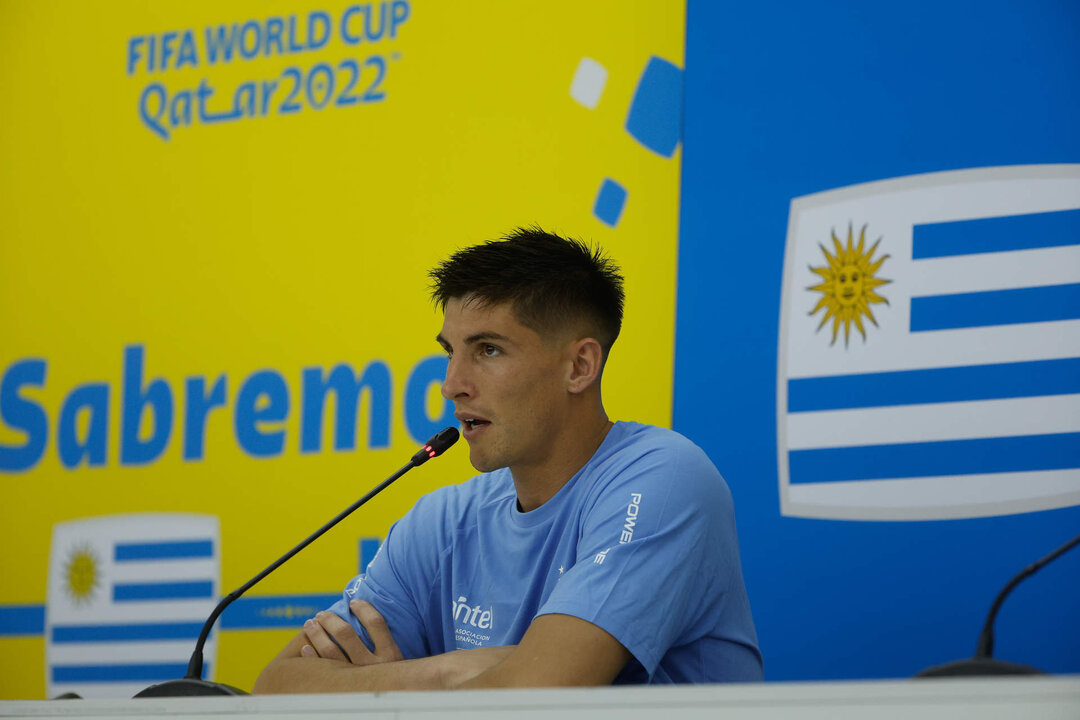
x=482 y=619
x=631 y=518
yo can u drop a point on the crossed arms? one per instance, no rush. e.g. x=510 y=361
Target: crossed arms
x=556 y=650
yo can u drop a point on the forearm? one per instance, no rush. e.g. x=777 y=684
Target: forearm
x=318 y=675
x=556 y=651
x=508 y=672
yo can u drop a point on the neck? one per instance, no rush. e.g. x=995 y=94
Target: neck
x=572 y=447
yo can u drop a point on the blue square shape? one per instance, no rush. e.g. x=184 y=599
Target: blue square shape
x=609 y=202
x=655 y=117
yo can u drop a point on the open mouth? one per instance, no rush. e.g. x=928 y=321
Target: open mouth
x=473 y=423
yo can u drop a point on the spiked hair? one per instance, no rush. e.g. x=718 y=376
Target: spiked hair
x=550 y=281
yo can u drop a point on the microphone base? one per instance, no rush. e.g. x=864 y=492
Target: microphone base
x=978 y=666
x=189 y=687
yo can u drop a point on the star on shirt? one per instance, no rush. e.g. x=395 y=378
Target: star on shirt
x=561 y=569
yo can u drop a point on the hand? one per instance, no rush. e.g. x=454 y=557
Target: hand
x=332 y=638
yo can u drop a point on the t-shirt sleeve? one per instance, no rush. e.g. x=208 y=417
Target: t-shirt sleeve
x=398 y=580
x=656 y=546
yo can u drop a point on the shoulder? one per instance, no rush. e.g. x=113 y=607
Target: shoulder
x=650 y=456
x=637 y=446
x=631 y=438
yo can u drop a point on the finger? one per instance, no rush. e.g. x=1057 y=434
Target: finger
x=308 y=651
x=320 y=640
x=373 y=622
x=346 y=638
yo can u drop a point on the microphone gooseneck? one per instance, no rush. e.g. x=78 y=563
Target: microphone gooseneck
x=985 y=647
x=983 y=662
x=192 y=683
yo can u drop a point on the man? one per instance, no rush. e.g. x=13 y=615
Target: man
x=588 y=552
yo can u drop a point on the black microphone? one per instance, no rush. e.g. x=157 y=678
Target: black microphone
x=436 y=446
x=984 y=663
x=192 y=683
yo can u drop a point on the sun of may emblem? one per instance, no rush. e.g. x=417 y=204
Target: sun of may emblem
x=848 y=283
x=81 y=574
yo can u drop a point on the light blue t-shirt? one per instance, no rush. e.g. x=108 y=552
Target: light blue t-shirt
x=640 y=542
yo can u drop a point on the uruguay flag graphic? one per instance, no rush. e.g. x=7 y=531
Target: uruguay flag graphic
x=127 y=597
x=929 y=347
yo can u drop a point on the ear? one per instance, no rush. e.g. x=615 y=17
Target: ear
x=586 y=361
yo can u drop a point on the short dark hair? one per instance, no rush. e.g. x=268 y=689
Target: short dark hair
x=550 y=281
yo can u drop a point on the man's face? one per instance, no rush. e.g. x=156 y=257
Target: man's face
x=507 y=385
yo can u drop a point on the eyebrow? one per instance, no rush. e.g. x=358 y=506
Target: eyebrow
x=479 y=337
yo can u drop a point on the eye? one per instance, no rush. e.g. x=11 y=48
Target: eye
x=489 y=350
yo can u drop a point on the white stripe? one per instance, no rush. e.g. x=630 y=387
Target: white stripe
x=930 y=422
x=159 y=611
x=995 y=271
x=952 y=195
x=936 y=497
x=948 y=348
x=172 y=571
x=125 y=653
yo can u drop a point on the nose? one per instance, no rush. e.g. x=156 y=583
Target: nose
x=456 y=385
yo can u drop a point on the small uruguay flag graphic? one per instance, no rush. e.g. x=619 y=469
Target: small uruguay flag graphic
x=929 y=349
x=127 y=597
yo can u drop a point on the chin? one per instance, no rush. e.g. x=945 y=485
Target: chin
x=485 y=464
x=485 y=467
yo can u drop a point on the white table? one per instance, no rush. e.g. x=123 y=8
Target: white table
x=1042 y=698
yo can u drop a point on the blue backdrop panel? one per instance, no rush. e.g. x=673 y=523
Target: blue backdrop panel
x=787 y=99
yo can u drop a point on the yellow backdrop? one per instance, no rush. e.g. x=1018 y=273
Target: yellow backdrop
x=132 y=214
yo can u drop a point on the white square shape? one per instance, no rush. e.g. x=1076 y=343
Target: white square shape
x=588 y=83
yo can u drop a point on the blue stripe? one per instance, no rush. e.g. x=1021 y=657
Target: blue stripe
x=251 y=613
x=147 y=672
x=183 y=549
x=1026 y=453
x=1000 y=234
x=126 y=633
x=995 y=307
x=136 y=592
x=935 y=385
x=18 y=620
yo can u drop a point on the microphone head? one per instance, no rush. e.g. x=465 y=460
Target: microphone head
x=442 y=440
x=437 y=445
